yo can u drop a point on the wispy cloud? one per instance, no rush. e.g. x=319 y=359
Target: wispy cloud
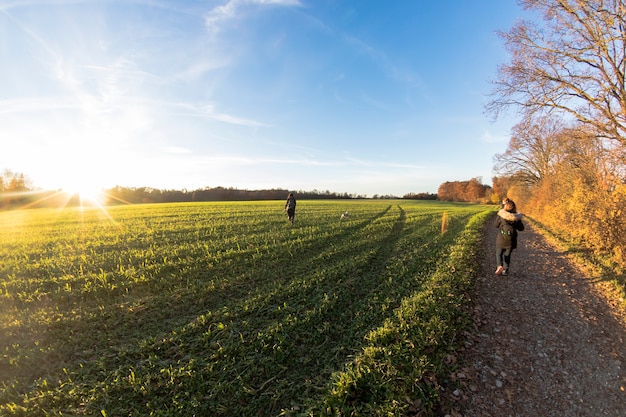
x=35 y=104
x=215 y=17
x=209 y=111
x=196 y=70
x=230 y=10
x=127 y=105
x=379 y=163
x=347 y=163
x=39 y=40
x=399 y=73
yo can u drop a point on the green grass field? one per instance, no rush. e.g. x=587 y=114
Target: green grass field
x=214 y=309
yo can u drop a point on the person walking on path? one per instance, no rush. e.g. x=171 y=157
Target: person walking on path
x=548 y=343
x=508 y=221
x=290 y=207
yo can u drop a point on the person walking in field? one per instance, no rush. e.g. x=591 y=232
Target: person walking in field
x=509 y=222
x=290 y=207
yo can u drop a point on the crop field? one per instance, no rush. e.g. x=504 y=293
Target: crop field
x=227 y=309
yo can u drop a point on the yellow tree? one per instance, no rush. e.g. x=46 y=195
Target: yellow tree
x=590 y=177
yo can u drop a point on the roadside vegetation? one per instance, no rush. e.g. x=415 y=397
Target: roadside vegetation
x=566 y=161
x=227 y=309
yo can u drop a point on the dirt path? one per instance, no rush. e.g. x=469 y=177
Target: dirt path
x=547 y=342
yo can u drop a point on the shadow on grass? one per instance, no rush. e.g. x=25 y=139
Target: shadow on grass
x=247 y=335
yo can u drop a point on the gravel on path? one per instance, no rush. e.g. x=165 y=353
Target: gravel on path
x=548 y=340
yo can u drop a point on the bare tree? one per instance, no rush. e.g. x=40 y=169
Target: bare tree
x=532 y=151
x=592 y=160
x=573 y=63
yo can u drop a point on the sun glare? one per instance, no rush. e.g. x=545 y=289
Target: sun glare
x=88 y=194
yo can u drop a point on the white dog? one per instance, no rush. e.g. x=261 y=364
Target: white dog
x=345 y=215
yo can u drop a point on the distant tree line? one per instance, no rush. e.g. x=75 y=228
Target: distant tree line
x=18 y=194
x=126 y=195
x=420 y=196
x=473 y=191
x=151 y=195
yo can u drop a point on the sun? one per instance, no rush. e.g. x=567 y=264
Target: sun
x=87 y=192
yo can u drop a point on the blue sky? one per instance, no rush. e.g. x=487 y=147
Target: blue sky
x=358 y=96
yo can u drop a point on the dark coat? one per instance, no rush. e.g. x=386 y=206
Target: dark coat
x=514 y=219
